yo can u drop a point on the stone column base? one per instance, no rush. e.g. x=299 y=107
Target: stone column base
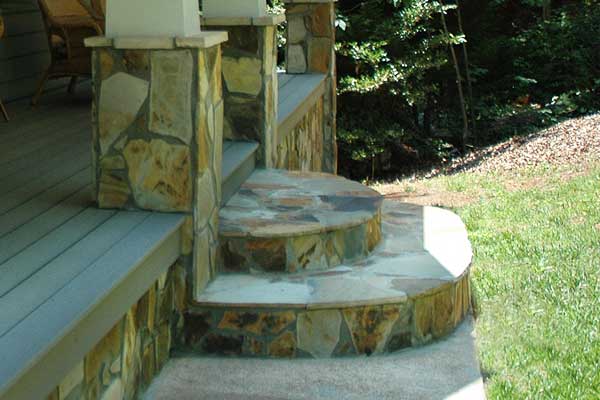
x=250 y=80
x=157 y=134
x=311 y=49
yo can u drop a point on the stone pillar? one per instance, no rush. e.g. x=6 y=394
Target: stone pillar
x=157 y=133
x=311 y=49
x=250 y=79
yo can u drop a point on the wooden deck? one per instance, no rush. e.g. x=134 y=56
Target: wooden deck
x=68 y=270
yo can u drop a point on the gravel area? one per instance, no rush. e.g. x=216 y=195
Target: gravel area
x=570 y=142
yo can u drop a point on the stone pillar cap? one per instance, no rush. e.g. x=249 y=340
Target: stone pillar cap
x=267 y=20
x=202 y=40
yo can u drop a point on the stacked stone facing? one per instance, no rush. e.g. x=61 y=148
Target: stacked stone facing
x=319 y=266
x=124 y=362
x=250 y=80
x=329 y=332
x=157 y=134
x=301 y=149
x=288 y=222
x=311 y=49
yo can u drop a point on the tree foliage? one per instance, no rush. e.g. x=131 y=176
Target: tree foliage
x=398 y=95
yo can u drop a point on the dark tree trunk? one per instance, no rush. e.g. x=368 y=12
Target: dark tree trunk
x=428 y=116
x=467 y=72
x=465 y=133
x=547 y=10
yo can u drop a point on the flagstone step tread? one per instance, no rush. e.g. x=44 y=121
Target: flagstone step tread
x=282 y=221
x=279 y=203
x=414 y=288
x=423 y=248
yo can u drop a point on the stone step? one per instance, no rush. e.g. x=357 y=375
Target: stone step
x=238 y=162
x=412 y=289
x=282 y=221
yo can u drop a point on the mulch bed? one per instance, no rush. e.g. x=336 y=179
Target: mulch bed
x=571 y=142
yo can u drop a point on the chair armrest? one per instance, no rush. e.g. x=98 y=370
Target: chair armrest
x=75 y=21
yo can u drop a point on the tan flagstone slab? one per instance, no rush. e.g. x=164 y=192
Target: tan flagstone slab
x=121 y=98
x=394 y=273
x=171 y=94
x=319 y=332
x=274 y=203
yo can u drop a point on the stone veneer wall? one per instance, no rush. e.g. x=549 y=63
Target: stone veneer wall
x=310 y=252
x=311 y=49
x=327 y=332
x=157 y=135
x=301 y=149
x=250 y=84
x=122 y=364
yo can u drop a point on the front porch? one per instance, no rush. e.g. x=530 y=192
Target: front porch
x=57 y=249
x=197 y=212
x=70 y=271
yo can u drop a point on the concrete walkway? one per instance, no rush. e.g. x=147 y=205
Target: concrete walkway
x=444 y=370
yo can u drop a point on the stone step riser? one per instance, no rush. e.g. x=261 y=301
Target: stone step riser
x=328 y=332
x=312 y=252
x=289 y=222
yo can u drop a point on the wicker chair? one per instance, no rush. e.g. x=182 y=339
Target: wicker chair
x=68 y=23
x=97 y=9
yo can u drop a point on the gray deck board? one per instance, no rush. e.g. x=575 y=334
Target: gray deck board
x=49 y=124
x=238 y=163
x=47 y=223
x=18 y=189
x=12 y=216
x=235 y=154
x=90 y=298
x=37 y=255
x=296 y=96
x=31 y=171
x=66 y=266
x=15 y=305
x=298 y=89
x=37 y=158
x=283 y=79
x=227 y=145
x=9 y=153
x=30 y=122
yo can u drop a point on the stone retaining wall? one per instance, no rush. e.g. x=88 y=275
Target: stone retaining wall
x=310 y=48
x=302 y=149
x=328 y=332
x=122 y=364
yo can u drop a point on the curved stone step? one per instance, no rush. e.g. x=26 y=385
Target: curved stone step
x=412 y=289
x=282 y=221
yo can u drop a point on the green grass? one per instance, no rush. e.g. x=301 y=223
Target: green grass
x=536 y=275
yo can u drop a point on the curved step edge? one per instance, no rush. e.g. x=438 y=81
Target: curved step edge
x=427 y=304
x=284 y=221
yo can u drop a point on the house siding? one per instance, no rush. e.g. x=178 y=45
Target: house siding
x=24 y=50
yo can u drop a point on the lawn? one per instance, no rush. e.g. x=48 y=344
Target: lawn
x=536 y=274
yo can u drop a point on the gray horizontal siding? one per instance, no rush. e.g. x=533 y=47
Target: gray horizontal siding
x=23 y=51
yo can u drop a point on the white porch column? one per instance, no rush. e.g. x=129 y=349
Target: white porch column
x=158 y=120
x=157 y=18
x=234 y=8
